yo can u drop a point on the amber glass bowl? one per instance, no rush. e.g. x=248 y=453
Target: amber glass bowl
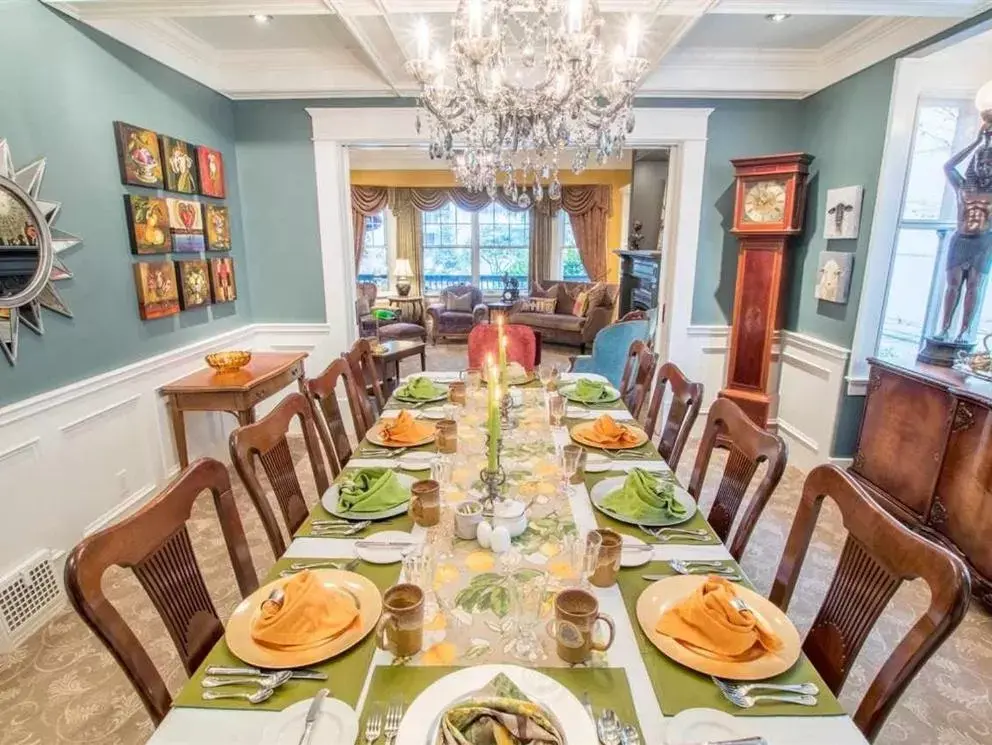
x=228 y=361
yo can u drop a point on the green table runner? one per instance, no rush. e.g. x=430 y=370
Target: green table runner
x=607 y=686
x=401 y=522
x=695 y=522
x=345 y=673
x=678 y=688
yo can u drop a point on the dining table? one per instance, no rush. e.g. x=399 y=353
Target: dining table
x=473 y=617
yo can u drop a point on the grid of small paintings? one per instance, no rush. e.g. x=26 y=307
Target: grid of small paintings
x=158 y=223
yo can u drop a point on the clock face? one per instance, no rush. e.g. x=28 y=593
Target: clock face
x=764 y=202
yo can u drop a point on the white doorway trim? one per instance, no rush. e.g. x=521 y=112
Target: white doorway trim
x=682 y=130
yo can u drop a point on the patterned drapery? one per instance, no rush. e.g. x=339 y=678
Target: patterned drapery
x=409 y=234
x=588 y=209
x=365 y=201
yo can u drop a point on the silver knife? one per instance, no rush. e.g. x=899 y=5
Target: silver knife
x=312 y=715
x=738 y=741
x=301 y=674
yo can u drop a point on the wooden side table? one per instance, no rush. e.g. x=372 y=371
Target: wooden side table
x=236 y=392
x=411 y=308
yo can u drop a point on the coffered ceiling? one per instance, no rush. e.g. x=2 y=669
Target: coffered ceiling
x=357 y=48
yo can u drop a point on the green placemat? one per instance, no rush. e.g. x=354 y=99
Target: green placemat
x=607 y=686
x=401 y=522
x=695 y=522
x=678 y=688
x=345 y=673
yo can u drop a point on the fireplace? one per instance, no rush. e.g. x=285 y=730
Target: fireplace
x=639 y=277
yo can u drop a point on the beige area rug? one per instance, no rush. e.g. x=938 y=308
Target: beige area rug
x=62 y=687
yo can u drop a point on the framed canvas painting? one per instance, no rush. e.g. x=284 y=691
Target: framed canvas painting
x=194 y=283
x=186 y=225
x=138 y=155
x=833 y=281
x=843 y=218
x=217 y=223
x=178 y=165
x=158 y=291
x=147 y=224
x=222 y=280
x=210 y=164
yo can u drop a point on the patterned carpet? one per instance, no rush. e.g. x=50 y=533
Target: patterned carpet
x=61 y=686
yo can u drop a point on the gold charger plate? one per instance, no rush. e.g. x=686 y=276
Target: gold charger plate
x=528 y=378
x=238 y=632
x=663 y=594
x=578 y=433
x=374 y=435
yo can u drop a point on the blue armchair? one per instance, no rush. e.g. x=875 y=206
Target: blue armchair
x=609 y=349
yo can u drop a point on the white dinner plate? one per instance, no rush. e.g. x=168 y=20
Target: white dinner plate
x=703 y=725
x=418 y=460
x=330 y=502
x=385 y=555
x=435 y=412
x=422 y=716
x=597 y=463
x=634 y=557
x=604 y=487
x=337 y=722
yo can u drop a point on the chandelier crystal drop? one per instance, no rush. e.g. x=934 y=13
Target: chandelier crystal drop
x=522 y=82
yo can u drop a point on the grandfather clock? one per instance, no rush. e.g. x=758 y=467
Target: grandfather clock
x=769 y=208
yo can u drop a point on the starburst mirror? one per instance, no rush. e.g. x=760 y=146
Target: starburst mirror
x=29 y=252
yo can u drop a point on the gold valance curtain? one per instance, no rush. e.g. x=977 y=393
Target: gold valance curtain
x=427 y=199
x=409 y=234
x=589 y=208
x=365 y=201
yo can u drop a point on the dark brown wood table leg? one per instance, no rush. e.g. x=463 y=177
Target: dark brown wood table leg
x=423 y=360
x=179 y=432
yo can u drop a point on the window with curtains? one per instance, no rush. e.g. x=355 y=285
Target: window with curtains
x=374 y=266
x=462 y=247
x=943 y=127
x=570 y=267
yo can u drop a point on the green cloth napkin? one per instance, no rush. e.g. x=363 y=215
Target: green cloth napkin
x=384 y=315
x=589 y=391
x=420 y=388
x=371 y=490
x=500 y=705
x=644 y=495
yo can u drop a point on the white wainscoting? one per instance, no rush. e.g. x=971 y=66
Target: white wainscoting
x=75 y=459
x=808 y=374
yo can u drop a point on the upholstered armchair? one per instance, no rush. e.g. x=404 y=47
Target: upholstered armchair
x=609 y=350
x=386 y=329
x=452 y=319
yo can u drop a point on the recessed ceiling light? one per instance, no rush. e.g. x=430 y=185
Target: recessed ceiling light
x=261 y=18
x=777 y=17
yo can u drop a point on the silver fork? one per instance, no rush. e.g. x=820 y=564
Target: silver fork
x=299 y=566
x=807 y=689
x=373 y=726
x=656 y=531
x=394 y=716
x=339 y=532
x=703 y=567
x=746 y=702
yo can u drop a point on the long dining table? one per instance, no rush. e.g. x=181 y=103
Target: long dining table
x=633 y=677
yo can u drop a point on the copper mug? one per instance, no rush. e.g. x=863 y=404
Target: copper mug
x=446 y=436
x=576 y=614
x=425 y=502
x=608 y=563
x=456 y=392
x=401 y=627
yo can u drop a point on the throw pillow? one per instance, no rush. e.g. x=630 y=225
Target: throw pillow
x=581 y=305
x=539 y=290
x=459 y=303
x=362 y=306
x=598 y=295
x=540 y=305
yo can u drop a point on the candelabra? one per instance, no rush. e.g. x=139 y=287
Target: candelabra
x=492 y=481
x=506 y=420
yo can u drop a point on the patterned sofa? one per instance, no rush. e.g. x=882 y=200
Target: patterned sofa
x=456 y=323
x=561 y=327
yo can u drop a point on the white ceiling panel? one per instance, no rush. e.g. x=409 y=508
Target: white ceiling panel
x=227 y=33
x=756 y=31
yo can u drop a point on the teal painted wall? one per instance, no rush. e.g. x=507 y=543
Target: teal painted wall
x=63 y=86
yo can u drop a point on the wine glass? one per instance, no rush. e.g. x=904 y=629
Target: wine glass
x=526 y=602
x=419 y=569
x=571 y=454
x=544 y=373
x=556 y=409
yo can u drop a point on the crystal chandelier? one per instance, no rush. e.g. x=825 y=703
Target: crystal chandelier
x=522 y=81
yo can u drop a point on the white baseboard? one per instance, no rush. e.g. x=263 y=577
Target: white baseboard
x=807 y=374
x=77 y=458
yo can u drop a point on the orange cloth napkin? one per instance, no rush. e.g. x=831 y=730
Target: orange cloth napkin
x=606 y=431
x=309 y=615
x=404 y=429
x=707 y=620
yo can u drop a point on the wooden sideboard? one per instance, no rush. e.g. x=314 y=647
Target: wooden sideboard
x=924 y=453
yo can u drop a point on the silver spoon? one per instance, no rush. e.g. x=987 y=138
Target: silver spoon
x=262 y=694
x=271 y=680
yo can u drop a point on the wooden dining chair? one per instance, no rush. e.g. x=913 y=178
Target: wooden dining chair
x=327 y=412
x=638 y=373
x=749 y=446
x=154 y=543
x=365 y=373
x=687 y=397
x=878 y=556
x=266 y=440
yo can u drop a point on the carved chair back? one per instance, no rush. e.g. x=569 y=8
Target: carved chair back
x=154 y=543
x=879 y=555
x=750 y=446
x=687 y=397
x=638 y=373
x=365 y=374
x=327 y=411
x=266 y=441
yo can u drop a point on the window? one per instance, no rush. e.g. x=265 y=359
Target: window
x=928 y=218
x=462 y=247
x=571 y=268
x=374 y=265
